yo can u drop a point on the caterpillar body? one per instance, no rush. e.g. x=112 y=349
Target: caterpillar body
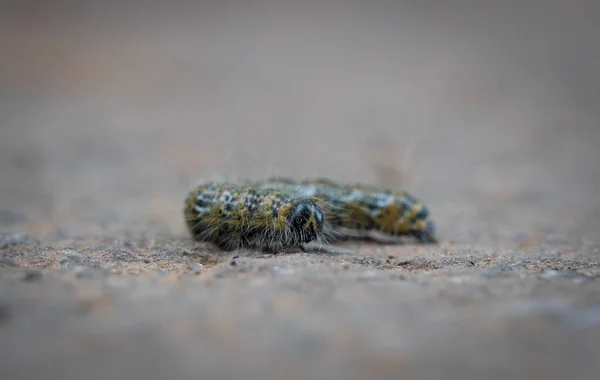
x=359 y=211
x=235 y=216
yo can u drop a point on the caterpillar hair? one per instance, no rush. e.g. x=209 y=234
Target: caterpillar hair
x=235 y=216
x=361 y=211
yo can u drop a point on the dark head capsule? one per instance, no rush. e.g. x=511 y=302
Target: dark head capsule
x=305 y=220
x=426 y=234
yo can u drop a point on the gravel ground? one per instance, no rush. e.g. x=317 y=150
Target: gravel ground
x=109 y=116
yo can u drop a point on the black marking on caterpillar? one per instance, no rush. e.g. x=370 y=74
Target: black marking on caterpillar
x=243 y=217
x=359 y=211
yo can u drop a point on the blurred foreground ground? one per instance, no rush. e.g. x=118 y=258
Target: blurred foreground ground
x=109 y=115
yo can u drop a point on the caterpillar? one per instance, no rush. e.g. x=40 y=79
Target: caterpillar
x=235 y=217
x=359 y=211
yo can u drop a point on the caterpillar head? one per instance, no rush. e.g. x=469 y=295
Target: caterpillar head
x=421 y=226
x=305 y=220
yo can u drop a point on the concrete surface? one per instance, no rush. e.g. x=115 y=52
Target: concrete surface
x=109 y=114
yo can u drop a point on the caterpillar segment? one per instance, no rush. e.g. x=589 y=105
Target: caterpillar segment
x=243 y=217
x=359 y=211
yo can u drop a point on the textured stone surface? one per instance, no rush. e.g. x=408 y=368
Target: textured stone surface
x=109 y=118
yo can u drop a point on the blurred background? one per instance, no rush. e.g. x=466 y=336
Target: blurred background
x=111 y=111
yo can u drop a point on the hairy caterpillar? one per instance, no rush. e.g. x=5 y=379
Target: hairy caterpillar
x=362 y=211
x=237 y=216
